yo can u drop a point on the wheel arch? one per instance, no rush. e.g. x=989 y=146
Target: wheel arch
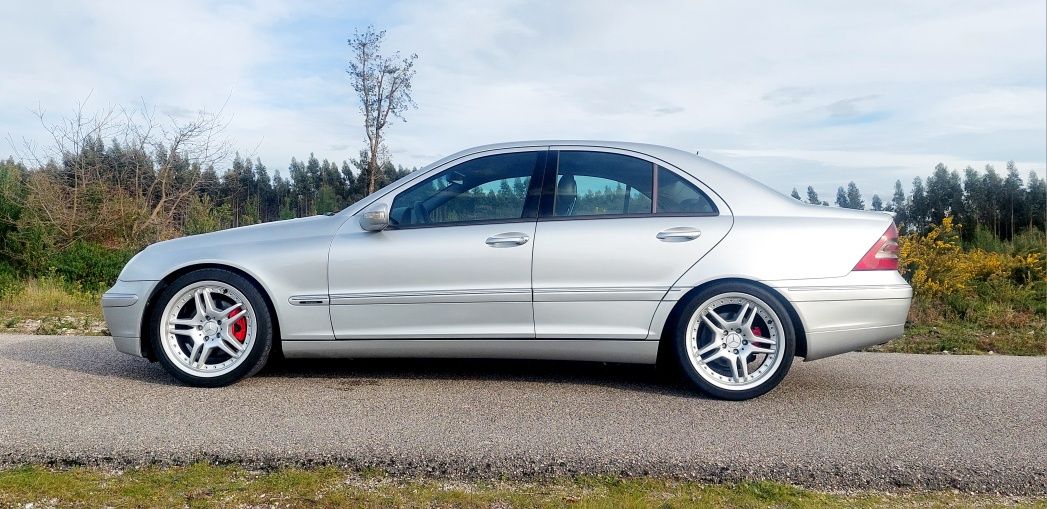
x=668 y=329
x=147 y=351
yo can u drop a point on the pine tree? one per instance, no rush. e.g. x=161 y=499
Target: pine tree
x=877 y=203
x=854 y=197
x=796 y=195
x=841 y=198
x=812 y=196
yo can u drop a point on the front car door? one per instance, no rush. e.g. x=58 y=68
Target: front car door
x=455 y=261
x=616 y=230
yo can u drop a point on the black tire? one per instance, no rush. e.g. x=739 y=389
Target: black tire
x=255 y=359
x=678 y=347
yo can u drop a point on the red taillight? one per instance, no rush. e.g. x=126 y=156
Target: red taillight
x=884 y=253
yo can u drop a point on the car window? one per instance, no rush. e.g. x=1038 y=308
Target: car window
x=678 y=196
x=488 y=188
x=601 y=183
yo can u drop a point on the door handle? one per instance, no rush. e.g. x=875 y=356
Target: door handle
x=508 y=239
x=679 y=234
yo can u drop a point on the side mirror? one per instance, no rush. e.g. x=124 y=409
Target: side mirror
x=376 y=218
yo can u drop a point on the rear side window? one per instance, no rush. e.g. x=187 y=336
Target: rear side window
x=601 y=183
x=678 y=196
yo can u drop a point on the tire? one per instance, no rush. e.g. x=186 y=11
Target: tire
x=759 y=344
x=211 y=328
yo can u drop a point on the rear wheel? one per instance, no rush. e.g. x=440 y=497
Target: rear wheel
x=210 y=328
x=734 y=341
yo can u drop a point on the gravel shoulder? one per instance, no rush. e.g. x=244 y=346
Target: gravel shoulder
x=857 y=421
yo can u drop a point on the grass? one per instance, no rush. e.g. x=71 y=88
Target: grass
x=203 y=485
x=50 y=306
x=973 y=326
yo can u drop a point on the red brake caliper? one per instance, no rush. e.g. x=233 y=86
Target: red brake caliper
x=757 y=331
x=240 y=329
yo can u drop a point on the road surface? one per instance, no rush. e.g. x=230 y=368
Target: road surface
x=862 y=420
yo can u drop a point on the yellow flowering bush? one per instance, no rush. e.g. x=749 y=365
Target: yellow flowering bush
x=936 y=263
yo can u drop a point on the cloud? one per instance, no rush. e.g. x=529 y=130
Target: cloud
x=791 y=93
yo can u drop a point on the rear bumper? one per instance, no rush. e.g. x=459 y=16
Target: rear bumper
x=123 y=306
x=849 y=313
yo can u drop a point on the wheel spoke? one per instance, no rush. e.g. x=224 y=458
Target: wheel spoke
x=222 y=345
x=740 y=319
x=734 y=368
x=205 y=351
x=713 y=357
x=181 y=332
x=748 y=323
x=708 y=348
x=760 y=349
x=721 y=323
x=711 y=325
x=744 y=365
x=229 y=310
x=228 y=338
x=209 y=304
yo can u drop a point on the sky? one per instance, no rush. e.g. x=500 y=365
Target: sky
x=791 y=93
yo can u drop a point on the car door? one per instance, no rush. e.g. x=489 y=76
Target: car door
x=608 y=247
x=455 y=261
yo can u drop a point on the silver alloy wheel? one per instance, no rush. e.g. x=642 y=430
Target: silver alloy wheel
x=734 y=341
x=208 y=328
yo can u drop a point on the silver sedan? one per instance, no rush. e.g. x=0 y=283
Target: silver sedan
x=590 y=251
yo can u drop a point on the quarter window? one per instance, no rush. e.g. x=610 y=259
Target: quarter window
x=484 y=189
x=678 y=196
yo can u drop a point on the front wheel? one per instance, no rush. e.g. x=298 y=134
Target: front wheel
x=734 y=341
x=210 y=328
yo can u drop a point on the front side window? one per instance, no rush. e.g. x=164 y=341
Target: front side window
x=601 y=183
x=490 y=188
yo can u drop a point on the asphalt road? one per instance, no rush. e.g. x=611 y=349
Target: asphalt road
x=869 y=420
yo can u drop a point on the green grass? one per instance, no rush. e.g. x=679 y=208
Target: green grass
x=203 y=485
x=50 y=306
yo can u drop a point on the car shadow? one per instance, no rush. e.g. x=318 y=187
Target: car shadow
x=97 y=357
x=632 y=377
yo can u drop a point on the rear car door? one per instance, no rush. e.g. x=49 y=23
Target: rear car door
x=616 y=229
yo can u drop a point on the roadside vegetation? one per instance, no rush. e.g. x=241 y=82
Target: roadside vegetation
x=203 y=485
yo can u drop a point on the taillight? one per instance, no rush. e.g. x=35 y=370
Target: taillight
x=883 y=255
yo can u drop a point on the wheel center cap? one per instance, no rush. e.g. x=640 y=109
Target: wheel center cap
x=210 y=328
x=734 y=340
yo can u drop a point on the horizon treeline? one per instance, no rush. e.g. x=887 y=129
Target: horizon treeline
x=983 y=202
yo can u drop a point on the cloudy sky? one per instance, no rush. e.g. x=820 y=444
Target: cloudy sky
x=792 y=93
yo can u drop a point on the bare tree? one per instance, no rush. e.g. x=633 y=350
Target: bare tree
x=80 y=193
x=383 y=85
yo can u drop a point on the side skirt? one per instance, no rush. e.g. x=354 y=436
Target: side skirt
x=633 y=351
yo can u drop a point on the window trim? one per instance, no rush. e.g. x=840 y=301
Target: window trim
x=546 y=213
x=532 y=201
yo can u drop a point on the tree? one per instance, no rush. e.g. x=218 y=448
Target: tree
x=917 y=206
x=877 y=203
x=812 y=196
x=1036 y=199
x=841 y=198
x=1012 y=192
x=383 y=85
x=854 y=197
x=796 y=195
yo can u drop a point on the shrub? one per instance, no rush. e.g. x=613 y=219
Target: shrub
x=93 y=266
x=937 y=265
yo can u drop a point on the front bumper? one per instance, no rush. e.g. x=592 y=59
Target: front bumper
x=123 y=306
x=844 y=314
